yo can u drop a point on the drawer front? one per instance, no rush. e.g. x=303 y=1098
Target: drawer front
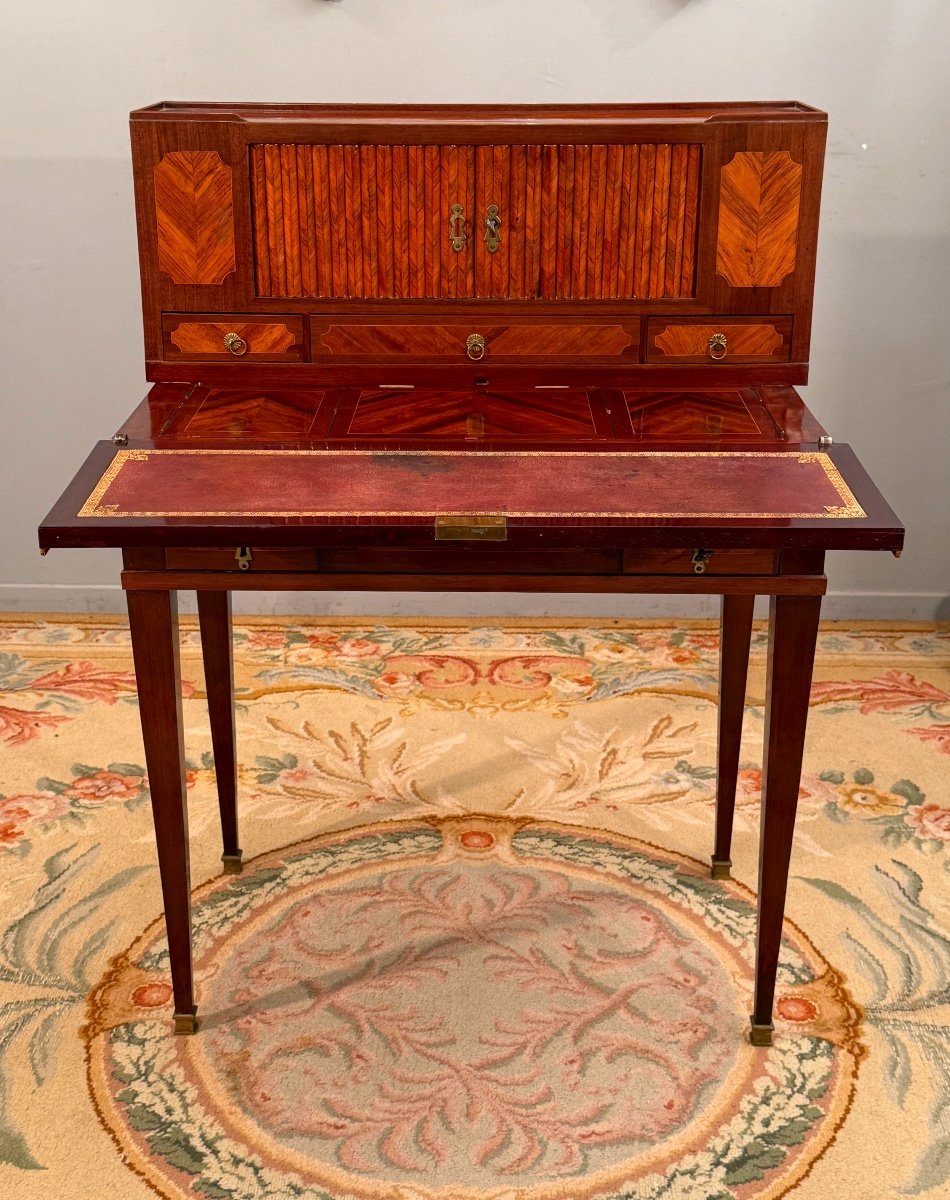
x=200 y=558
x=477 y=559
x=684 y=562
x=220 y=337
x=341 y=341
x=719 y=339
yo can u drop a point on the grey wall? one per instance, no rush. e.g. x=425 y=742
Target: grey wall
x=70 y=358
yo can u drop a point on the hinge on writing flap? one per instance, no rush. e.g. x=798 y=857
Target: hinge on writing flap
x=471 y=529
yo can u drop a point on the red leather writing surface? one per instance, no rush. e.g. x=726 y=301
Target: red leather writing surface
x=326 y=483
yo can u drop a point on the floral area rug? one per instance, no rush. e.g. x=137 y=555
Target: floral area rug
x=475 y=951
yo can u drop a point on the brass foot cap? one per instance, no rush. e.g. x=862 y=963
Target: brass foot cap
x=721 y=868
x=232 y=863
x=760 y=1035
x=186 y=1022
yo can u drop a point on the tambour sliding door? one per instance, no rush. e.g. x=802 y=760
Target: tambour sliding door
x=361 y=222
x=516 y=222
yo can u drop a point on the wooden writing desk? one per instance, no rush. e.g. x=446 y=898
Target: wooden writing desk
x=504 y=349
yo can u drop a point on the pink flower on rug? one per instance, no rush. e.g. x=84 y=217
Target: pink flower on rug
x=10 y=833
x=749 y=787
x=307 y=656
x=105 y=785
x=265 y=639
x=358 y=648
x=151 y=995
x=891 y=692
x=867 y=802
x=17 y=726
x=940 y=734
x=812 y=793
x=322 y=639
x=929 y=821
x=37 y=806
x=394 y=681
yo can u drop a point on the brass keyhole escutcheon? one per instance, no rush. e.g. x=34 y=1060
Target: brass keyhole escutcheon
x=235 y=344
x=457 y=227
x=475 y=346
x=699 y=560
x=492 y=229
x=718 y=347
x=243 y=557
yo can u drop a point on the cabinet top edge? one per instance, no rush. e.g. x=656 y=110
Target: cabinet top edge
x=732 y=110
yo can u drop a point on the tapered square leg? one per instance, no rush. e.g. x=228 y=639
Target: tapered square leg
x=735 y=638
x=214 y=620
x=793 y=632
x=153 y=618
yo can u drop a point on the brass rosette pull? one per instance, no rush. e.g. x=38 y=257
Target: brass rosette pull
x=718 y=347
x=235 y=344
x=475 y=346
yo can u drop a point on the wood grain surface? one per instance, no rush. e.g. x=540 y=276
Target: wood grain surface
x=194 y=216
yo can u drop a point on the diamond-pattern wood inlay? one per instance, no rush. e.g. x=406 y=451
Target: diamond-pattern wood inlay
x=759 y=200
x=194 y=216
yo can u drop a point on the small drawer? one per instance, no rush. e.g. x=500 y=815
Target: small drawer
x=200 y=558
x=719 y=339
x=217 y=337
x=339 y=340
x=685 y=562
x=478 y=559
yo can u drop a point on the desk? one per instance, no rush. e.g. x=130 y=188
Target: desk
x=476 y=348
x=734 y=523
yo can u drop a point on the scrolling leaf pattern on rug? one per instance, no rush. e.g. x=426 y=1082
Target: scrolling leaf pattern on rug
x=903 y=961
x=38 y=958
x=66 y=685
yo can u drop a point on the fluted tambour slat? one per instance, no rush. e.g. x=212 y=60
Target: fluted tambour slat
x=577 y=222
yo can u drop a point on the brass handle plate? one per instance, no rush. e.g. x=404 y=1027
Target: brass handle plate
x=492 y=229
x=235 y=344
x=471 y=529
x=718 y=347
x=475 y=346
x=457 y=227
x=699 y=560
x=243 y=558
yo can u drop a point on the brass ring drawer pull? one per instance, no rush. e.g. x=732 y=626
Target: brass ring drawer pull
x=235 y=344
x=718 y=347
x=475 y=346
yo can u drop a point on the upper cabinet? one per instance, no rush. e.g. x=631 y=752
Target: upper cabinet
x=481 y=218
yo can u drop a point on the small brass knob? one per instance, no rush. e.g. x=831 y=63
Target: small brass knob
x=717 y=346
x=475 y=346
x=235 y=344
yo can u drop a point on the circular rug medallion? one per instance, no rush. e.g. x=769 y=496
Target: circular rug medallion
x=472 y=1008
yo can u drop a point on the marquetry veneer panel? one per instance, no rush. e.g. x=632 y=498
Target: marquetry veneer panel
x=431 y=413
x=685 y=340
x=188 y=337
x=194 y=216
x=547 y=342
x=759 y=200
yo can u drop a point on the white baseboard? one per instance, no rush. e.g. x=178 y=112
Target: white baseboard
x=104 y=598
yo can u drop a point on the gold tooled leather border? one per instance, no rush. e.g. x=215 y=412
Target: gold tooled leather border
x=847 y=509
